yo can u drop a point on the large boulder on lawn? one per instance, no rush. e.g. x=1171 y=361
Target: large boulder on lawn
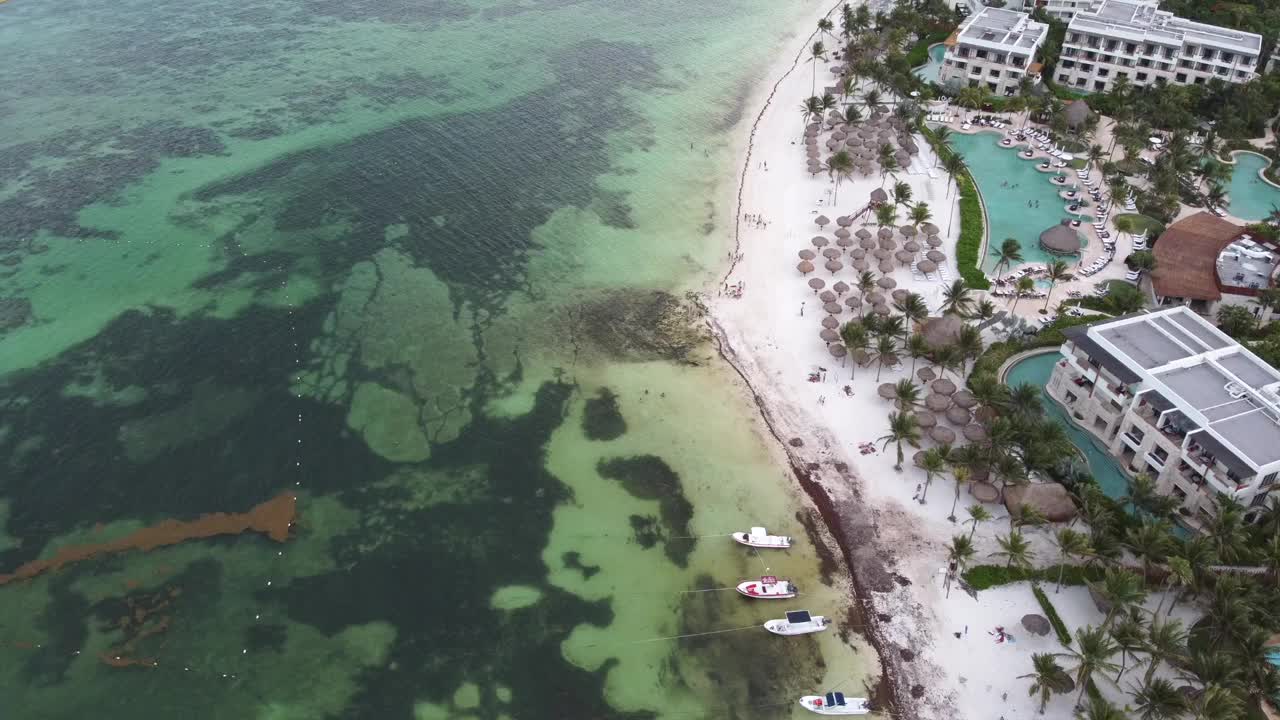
x=1050 y=499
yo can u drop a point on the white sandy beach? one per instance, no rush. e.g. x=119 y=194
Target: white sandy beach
x=896 y=545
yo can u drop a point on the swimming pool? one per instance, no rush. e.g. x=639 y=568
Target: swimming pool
x=1251 y=197
x=1036 y=371
x=1021 y=202
x=930 y=70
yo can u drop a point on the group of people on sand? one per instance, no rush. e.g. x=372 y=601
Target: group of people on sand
x=758 y=220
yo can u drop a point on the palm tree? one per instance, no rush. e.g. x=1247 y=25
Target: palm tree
x=1048 y=678
x=855 y=337
x=1008 y=254
x=933 y=463
x=1142 y=260
x=1057 y=272
x=1159 y=700
x=841 y=166
x=968 y=345
x=817 y=52
x=1122 y=589
x=959 y=553
x=852 y=114
x=920 y=214
x=959 y=473
x=907 y=393
x=1130 y=635
x=1180 y=574
x=1015 y=549
x=1166 y=643
x=1070 y=544
x=984 y=311
x=885 y=351
x=902 y=428
x=1216 y=703
x=1096 y=153
x=888 y=163
x=1150 y=542
x=942 y=136
x=811 y=109
x=1099 y=709
x=828 y=102
x=914 y=309
x=847 y=86
x=977 y=514
x=954 y=166
x=901 y=193
x=971 y=98
x=866 y=284
x=1093 y=652
x=1226 y=532
x=957 y=299
x=1124 y=225
x=871 y=99
x=1023 y=286
x=825 y=26
x=886 y=215
x=917 y=347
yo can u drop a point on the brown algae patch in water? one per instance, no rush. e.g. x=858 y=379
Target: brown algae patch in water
x=273 y=518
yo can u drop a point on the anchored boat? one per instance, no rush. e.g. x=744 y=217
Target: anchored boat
x=767 y=588
x=760 y=538
x=797 y=622
x=834 y=703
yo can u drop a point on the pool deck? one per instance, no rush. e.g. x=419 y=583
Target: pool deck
x=1028 y=307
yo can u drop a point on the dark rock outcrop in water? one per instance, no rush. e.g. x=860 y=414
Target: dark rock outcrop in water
x=649 y=478
x=629 y=324
x=601 y=419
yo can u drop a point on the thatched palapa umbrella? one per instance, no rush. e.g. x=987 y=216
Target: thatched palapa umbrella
x=958 y=416
x=817 y=284
x=911 y=246
x=936 y=256
x=806 y=254
x=907 y=231
x=805 y=267
x=903 y=256
x=875 y=297
x=833 y=308
x=930 y=229
x=857 y=253
x=899 y=295
x=831 y=253
x=926 y=266
x=934 y=241
x=828 y=335
x=840 y=287
x=887 y=391
x=834 y=266
x=879 y=196
x=884 y=233
x=863 y=233
x=926 y=419
x=964 y=399
x=844 y=221
x=941 y=331
x=984 y=492
x=973 y=432
x=822 y=220
x=842 y=233
x=844 y=242
x=885 y=267
x=943 y=435
x=819 y=241
x=867 y=243
x=943 y=386
x=888 y=243
x=887 y=283
x=926 y=374
x=838 y=351
x=861 y=265
x=936 y=402
x=827 y=296
x=830 y=323
x=880 y=309
x=881 y=254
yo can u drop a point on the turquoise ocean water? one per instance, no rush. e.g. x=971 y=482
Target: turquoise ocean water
x=422 y=264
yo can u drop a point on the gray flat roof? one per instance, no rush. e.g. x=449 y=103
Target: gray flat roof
x=1250 y=371
x=1201 y=386
x=1146 y=345
x=1257 y=436
x=1206 y=335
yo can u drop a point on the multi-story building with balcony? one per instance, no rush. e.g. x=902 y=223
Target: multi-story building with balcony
x=1172 y=396
x=1137 y=40
x=993 y=49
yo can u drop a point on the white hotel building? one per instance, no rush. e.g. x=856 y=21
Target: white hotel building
x=1172 y=396
x=993 y=49
x=1148 y=45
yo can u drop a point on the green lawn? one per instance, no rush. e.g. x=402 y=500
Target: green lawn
x=1142 y=222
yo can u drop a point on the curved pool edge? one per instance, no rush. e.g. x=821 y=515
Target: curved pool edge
x=1018 y=357
x=1262 y=173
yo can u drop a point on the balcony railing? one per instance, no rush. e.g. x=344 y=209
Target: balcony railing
x=1132 y=440
x=1155 y=461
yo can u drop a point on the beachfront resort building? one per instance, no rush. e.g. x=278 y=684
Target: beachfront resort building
x=1172 y=396
x=993 y=49
x=1137 y=40
x=1205 y=262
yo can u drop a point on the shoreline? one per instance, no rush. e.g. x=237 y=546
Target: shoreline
x=891 y=687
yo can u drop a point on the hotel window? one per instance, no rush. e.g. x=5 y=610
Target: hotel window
x=1103 y=72
x=1130 y=48
x=1180 y=77
x=994 y=73
x=980 y=53
x=1068 y=63
x=1099 y=85
x=1226 y=57
x=1142 y=77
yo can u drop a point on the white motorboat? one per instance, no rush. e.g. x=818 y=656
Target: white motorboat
x=834 y=703
x=797 y=622
x=767 y=588
x=760 y=538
